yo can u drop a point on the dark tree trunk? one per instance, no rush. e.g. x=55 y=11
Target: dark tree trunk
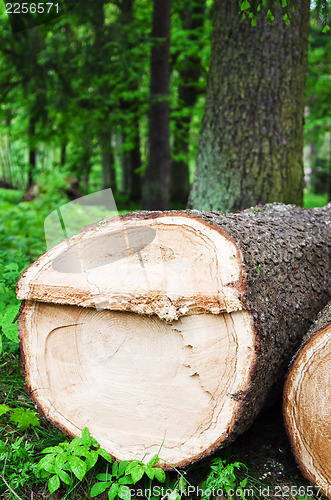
x=107 y=161
x=125 y=167
x=6 y=164
x=96 y=13
x=156 y=182
x=192 y=17
x=251 y=141
x=86 y=160
x=135 y=164
x=307 y=404
x=219 y=305
x=32 y=152
x=63 y=155
x=130 y=163
x=313 y=165
x=131 y=159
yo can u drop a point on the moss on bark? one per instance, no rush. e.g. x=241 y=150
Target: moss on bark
x=251 y=141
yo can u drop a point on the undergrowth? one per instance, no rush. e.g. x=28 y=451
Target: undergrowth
x=37 y=459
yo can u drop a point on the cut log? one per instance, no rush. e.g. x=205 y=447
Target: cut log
x=171 y=327
x=307 y=404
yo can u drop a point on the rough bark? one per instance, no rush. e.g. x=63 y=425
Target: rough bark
x=156 y=182
x=307 y=404
x=251 y=143
x=181 y=333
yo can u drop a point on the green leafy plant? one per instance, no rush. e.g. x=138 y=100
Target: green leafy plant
x=126 y=473
x=70 y=460
x=17 y=464
x=137 y=469
x=23 y=418
x=8 y=324
x=116 y=481
x=222 y=476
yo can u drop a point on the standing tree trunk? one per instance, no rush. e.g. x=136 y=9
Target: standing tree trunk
x=95 y=11
x=86 y=160
x=313 y=165
x=135 y=164
x=130 y=163
x=251 y=142
x=171 y=327
x=307 y=404
x=131 y=159
x=192 y=17
x=63 y=154
x=107 y=161
x=32 y=152
x=156 y=182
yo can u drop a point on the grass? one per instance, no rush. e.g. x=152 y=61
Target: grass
x=268 y=467
x=11 y=195
x=311 y=200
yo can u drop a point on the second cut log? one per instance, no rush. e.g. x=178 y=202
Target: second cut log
x=307 y=404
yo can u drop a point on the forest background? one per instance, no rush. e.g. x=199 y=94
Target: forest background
x=103 y=95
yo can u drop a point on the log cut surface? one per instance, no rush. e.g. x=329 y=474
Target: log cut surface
x=178 y=272
x=307 y=404
x=133 y=380
x=172 y=327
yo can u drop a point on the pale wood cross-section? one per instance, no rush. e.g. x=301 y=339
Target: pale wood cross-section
x=178 y=271
x=137 y=381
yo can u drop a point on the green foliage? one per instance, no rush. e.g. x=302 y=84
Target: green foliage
x=9 y=325
x=222 y=476
x=130 y=473
x=9 y=274
x=252 y=8
x=70 y=461
x=18 y=464
x=311 y=200
x=318 y=88
x=22 y=418
x=4 y=409
x=115 y=482
x=137 y=470
x=9 y=306
x=11 y=195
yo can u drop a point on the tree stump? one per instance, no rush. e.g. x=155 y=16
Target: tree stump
x=307 y=404
x=171 y=327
